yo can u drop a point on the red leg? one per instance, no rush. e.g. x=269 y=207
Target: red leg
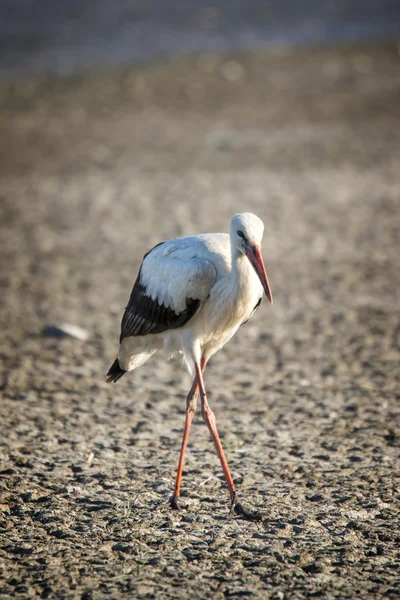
x=191 y=403
x=209 y=418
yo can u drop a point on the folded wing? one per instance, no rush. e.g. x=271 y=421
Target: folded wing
x=174 y=280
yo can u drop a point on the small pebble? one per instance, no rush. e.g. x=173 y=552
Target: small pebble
x=65 y=330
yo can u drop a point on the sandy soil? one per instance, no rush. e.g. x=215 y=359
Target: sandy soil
x=95 y=169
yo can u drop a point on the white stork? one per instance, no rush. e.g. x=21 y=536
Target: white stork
x=190 y=297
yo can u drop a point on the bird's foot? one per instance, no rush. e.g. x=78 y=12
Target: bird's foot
x=247 y=512
x=174 y=503
x=233 y=503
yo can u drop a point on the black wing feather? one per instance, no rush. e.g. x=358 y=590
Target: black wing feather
x=144 y=316
x=254 y=310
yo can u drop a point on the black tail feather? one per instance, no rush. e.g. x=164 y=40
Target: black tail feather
x=115 y=372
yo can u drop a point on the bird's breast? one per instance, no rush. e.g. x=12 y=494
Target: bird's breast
x=228 y=307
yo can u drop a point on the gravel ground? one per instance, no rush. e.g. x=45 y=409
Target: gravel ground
x=97 y=168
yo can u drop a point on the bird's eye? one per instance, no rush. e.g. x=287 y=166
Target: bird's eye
x=241 y=234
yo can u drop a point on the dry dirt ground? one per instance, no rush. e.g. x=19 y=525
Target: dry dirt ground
x=96 y=169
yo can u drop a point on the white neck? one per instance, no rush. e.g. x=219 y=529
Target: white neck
x=242 y=271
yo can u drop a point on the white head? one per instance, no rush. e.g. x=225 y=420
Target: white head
x=246 y=232
x=246 y=228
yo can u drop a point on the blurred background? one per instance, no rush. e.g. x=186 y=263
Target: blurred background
x=65 y=35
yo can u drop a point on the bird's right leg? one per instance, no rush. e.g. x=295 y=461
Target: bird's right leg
x=191 y=403
x=209 y=418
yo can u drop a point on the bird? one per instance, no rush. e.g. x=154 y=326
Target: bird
x=190 y=297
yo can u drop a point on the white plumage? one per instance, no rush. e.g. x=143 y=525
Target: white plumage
x=190 y=297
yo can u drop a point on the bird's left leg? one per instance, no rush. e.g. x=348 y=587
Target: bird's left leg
x=209 y=418
x=191 y=403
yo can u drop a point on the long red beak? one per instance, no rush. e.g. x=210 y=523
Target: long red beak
x=256 y=259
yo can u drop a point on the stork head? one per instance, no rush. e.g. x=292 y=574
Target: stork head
x=246 y=231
